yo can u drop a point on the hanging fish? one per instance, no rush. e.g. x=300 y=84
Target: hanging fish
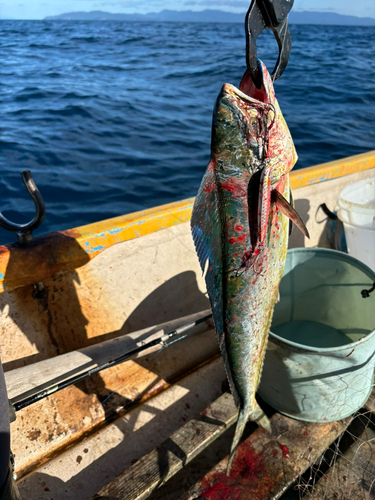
x=240 y=229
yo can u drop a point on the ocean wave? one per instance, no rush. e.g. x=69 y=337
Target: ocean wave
x=116 y=117
x=87 y=39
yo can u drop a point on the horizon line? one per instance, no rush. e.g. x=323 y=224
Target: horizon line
x=177 y=11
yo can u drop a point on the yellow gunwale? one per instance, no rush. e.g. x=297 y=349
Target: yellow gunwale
x=67 y=250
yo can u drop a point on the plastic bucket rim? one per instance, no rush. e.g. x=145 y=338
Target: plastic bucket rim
x=347 y=205
x=327 y=350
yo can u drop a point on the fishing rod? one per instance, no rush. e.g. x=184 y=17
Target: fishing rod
x=163 y=341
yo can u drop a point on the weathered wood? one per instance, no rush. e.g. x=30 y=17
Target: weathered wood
x=24 y=381
x=83 y=469
x=158 y=466
x=133 y=285
x=61 y=419
x=265 y=466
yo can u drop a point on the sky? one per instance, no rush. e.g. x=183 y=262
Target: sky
x=38 y=9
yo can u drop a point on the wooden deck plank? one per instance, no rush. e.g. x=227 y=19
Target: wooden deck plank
x=66 y=416
x=263 y=469
x=154 y=469
x=259 y=477
x=83 y=469
x=265 y=466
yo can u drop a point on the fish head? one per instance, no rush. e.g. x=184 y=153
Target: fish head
x=248 y=127
x=281 y=153
x=238 y=130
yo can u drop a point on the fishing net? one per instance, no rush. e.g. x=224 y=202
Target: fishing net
x=346 y=470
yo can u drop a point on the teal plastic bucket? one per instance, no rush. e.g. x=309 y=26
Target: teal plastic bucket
x=320 y=358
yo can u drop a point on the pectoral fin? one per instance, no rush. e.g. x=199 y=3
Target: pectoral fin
x=286 y=208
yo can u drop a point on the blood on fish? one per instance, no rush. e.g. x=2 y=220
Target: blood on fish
x=237 y=190
x=243 y=234
x=237 y=239
x=208 y=188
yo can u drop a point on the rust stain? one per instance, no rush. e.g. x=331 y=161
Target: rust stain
x=34 y=434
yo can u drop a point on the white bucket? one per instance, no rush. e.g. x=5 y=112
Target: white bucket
x=357 y=211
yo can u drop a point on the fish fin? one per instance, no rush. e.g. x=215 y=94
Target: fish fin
x=258 y=416
x=286 y=208
x=206 y=228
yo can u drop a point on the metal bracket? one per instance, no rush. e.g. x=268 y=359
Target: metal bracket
x=272 y=15
x=24 y=231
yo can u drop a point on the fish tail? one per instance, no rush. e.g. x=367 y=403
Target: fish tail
x=256 y=415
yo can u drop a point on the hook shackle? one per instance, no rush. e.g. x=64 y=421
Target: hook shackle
x=271 y=15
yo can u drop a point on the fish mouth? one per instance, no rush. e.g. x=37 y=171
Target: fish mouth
x=250 y=93
x=244 y=98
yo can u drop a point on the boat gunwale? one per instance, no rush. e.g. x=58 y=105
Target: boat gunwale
x=68 y=250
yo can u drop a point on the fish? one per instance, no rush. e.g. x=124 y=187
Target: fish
x=240 y=227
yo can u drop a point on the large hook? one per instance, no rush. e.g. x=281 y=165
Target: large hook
x=272 y=15
x=24 y=231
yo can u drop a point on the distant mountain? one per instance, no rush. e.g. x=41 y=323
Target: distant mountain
x=329 y=18
x=214 y=16
x=165 y=15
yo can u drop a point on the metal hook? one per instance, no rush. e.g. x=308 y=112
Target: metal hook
x=24 y=231
x=366 y=293
x=272 y=15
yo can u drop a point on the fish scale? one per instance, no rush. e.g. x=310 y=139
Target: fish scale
x=239 y=226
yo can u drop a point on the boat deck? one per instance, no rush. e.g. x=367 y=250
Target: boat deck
x=158 y=425
x=316 y=461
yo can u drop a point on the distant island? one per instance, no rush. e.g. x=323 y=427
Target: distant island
x=215 y=16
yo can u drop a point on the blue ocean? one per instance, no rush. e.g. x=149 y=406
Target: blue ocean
x=115 y=117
